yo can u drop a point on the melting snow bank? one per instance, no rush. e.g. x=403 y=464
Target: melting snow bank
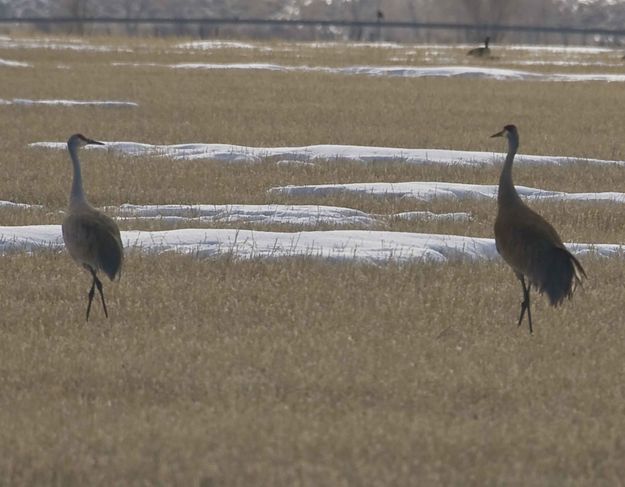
x=14 y=64
x=209 y=45
x=459 y=216
x=430 y=190
x=57 y=44
x=69 y=103
x=366 y=154
x=397 y=71
x=305 y=215
x=21 y=206
x=268 y=214
x=338 y=244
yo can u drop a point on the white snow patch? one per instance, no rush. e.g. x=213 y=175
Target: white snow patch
x=54 y=44
x=365 y=154
x=263 y=214
x=14 y=64
x=543 y=62
x=21 y=206
x=373 y=246
x=557 y=49
x=405 y=71
x=67 y=103
x=401 y=71
x=357 y=45
x=539 y=49
x=209 y=45
x=460 y=216
x=429 y=190
x=270 y=214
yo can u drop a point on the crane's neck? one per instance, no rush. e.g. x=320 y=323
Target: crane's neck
x=77 y=196
x=507 y=194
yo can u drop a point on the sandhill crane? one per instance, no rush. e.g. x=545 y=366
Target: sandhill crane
x=481 y=51
x=91 y=237
x=529 y=244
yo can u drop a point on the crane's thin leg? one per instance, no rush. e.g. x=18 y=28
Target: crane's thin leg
x=524 y=302
x=97 y=283
x=91 y=293
x=525 y=305
x=99 y=286
x=529 y=308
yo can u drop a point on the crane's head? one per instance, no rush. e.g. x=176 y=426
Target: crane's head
x=508 y=131
x=79 y=140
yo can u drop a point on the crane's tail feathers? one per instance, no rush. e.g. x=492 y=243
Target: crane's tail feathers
x=560 y=276
x=580 y=273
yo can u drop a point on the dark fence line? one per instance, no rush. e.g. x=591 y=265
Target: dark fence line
x=386 y=24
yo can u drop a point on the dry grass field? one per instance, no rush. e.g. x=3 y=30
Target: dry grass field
x=302 y=371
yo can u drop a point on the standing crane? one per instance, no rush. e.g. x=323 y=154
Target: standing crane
x=529 y=244
x=91 y=237
x=481 y=51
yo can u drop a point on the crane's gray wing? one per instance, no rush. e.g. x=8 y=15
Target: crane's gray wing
x=94 y=239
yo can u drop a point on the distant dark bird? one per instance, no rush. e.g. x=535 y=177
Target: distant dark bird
x=91 y=237
x=529 y=244
x=380 y=15
x=481 y=51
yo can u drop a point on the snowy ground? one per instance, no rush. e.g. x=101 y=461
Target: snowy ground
x=429 y=190
x=262 y=214
x=401 y=71
x=14 y=64
x=541 y=49
x=304 y=215
x=70 y=103
x=21 y=206
x=237 y=153
x=57 y=44
x=374 y=246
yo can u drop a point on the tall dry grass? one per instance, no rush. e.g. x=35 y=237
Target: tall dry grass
x=308 y=372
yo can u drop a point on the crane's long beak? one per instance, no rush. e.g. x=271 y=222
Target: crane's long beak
x=498 y=134
x=95 y=142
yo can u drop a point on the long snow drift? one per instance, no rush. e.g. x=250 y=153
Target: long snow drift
x=217 y=44
x=292 y=46
x=21 y=206
x=14 y=64
x=269 y=214
x=481 y=72
x=338 y=244
x=70 y=103
x=304 y=215
x=366 y=154
x=429 y=190
x=57 y=44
